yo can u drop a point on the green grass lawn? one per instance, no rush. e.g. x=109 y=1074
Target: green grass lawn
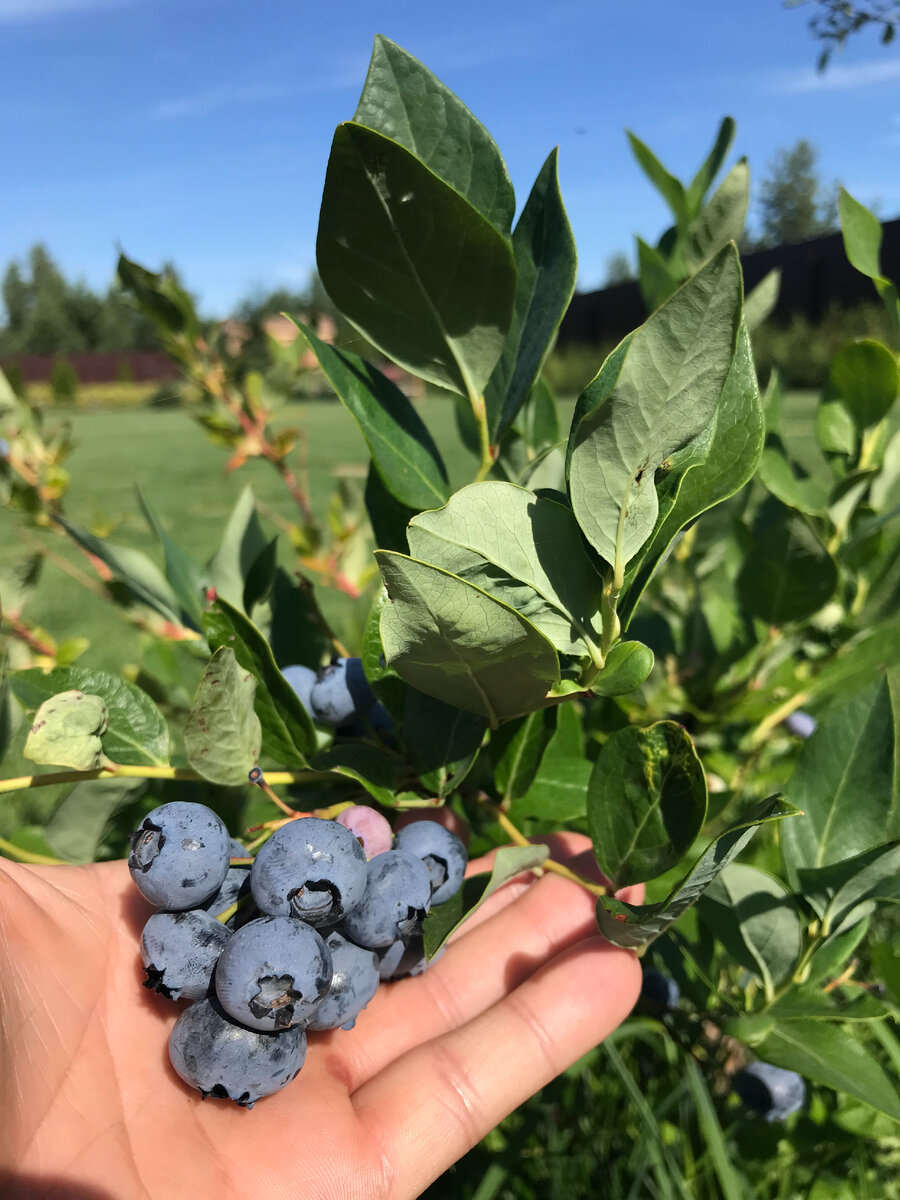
x=183 y=476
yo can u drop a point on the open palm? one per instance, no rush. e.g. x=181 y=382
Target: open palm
x=92 y=1110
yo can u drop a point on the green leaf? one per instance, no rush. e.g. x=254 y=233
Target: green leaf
x=777 y=475
x=835 y=950
x=670 y=188
x=851 y=755
x=387 y=516
x=160 y=298
x=444 y=919
x=516 y=750
x=453 y=641
x=646 y=801
x=443 y=741
x=657 y=280
x=635 y=925
x=66 y=731
x=403 y=100
x=787 y=574
x=885 y=494
x=834 y=891
x=759 y=303
x=374 y=769
x=812 y=1004
x=261 y=577
x=222 y=735
x=298 y=634
x=558 y=792
x=139 y=574
x=722 y=219
x=666 y=392
x=76 y=828
x=522 y=549
x=763 y=918
x=716 y=465
x=402 y=449
x=862 y=234
x=627 y=666
x=712 y=164
x=537 y=421
x=288 y=734
x=183 y=572
x=730 y=1181
x=546 y=271
x=136 y=734
x=826 y=1054
x=866 y=377
x=835 y=431
x=412 y=264
x=242 y=544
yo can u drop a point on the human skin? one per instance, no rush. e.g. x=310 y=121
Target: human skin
x=93 y=1110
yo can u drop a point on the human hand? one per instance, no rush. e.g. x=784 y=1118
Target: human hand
x=93 y=1110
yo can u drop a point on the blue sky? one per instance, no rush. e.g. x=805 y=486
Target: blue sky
x=198 y=130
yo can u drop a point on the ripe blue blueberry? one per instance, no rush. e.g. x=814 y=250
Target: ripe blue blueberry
x=4 y=448
x=442 y=853
x=658 y=990
x=235 y=886
x=273 y=973
x=179 y=855
x=221 y=1058
x=396 y=899
x=180 y=950
x=771 y=1091
x=310 y=868
x=801 y=724
x=405 y=957
x=341 y=693
x=301 y=680
x=353 y=984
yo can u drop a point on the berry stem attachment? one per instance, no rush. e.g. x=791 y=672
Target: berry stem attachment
x=240 y=903
x=256 y=776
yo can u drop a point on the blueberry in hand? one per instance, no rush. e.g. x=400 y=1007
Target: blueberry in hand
x=179 y=950
x=301 y=680
x=442 y=852
x=396 y=899
x=273 y=973
x=771 y=1091
x=341 y=692
x=353 y=984
x=801 y=724
x=179 y=855
x=658 y=991
x=310 y=868
x=221 y=1058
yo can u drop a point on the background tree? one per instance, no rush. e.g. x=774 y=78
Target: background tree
x=618 y=269
x=794 y=204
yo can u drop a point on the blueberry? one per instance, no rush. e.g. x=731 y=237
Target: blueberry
x=179 y=950
x=800 y=724
x=179 y=855
x=442 y=852
x=273 y=973
x=770 y=1091
x=368 y=826
x=4 y=448
x=301 y=680
x=353 y=984
x=658 y=990
x=396 y=899
x=405 y=957
x=310 y=868
x=235 y=886
x=341 y=693
x=221 y=1058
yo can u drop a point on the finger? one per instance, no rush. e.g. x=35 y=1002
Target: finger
x=473 y=973
x=430 y=1107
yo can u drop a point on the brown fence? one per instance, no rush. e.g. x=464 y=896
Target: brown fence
x=139 y=366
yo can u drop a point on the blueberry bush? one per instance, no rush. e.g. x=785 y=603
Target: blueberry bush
x=671 y=627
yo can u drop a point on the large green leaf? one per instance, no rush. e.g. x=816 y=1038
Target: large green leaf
x=670 y=188
x=844 y=784
x=403 y=451
x=139 y=573
x=763 y=918
x=516 y=751
x=627 y=666
x=403 y=100
x=547 y=267
x=646 y=801
x=242 y=544
x=288 y=734
x=136 y=734
x=183 y=572
x=709 y=169
x=453 y=641
x=826 y=1054
x=787 y=574
x=722 y=219
x=665 y=393
x=558 y=792
x=444 y=919
x=759 y=303
x=421 y=272
x=76 y=828
x=443 y=741
x=862 y=243
x=635 y=925
x=222 y=735
x=777 y=474
x=866 y=377
x=523 y=549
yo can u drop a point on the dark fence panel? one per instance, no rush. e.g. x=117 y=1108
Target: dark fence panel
x=141 y=366
x=814 y=276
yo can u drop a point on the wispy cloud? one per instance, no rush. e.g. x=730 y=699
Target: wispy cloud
x=35 y=10
x=836 y=78
x=201 y=104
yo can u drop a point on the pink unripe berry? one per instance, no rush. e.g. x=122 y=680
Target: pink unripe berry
x=369 y=826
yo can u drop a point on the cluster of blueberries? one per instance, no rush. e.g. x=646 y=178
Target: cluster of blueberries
x=295 y=941
x=339 y=697
x=771 y=1091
